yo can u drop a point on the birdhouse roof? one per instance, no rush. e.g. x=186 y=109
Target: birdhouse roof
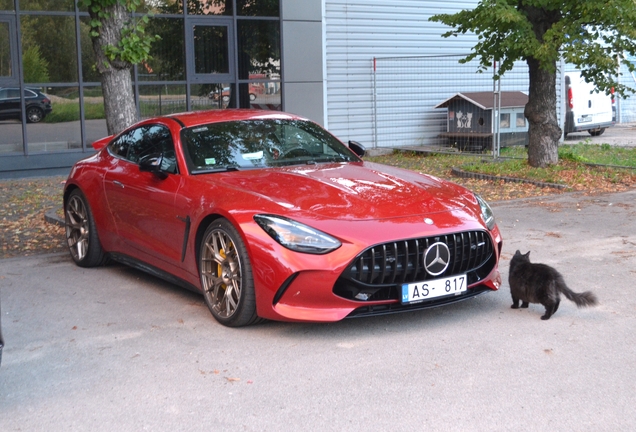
x=485 y=100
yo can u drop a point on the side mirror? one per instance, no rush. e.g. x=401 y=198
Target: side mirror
x=152 y=163
x=357 y=148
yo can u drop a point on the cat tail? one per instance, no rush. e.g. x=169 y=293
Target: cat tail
x=583 y=299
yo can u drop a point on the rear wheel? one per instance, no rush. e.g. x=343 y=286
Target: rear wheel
x=81 y=234
x=34 y=114
x=226 y=276
x=597 y=132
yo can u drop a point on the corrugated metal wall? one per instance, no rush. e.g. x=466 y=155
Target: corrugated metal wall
x=628 y=105
x=356 y=31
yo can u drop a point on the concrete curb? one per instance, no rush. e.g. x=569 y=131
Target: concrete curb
x=52 y=217
x=465 y=174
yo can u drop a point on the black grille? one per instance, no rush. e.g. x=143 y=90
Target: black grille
x=379 y=271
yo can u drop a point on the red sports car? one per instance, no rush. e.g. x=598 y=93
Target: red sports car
x=271 y=217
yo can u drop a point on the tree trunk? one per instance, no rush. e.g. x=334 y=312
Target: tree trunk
x=544 y=131
x=119 y=98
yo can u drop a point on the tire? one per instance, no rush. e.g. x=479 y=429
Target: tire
x=34 y=114
x=596 y=132
x=252 y=97
x=226 y=276
x=225 y=98
x=81 y=235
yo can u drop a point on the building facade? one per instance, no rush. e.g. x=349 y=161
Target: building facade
x=213 y=54
x=369 y=70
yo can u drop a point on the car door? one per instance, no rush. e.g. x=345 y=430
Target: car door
x=142 y=204
x=10 y=103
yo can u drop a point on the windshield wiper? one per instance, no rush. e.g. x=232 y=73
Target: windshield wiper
x=214 y=170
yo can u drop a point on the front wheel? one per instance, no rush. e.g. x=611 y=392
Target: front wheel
x=81 y=234
x=226 y=276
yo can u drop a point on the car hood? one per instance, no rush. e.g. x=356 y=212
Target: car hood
x=353 y=191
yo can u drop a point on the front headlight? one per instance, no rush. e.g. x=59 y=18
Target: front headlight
x=486 y=212
x=296 y=236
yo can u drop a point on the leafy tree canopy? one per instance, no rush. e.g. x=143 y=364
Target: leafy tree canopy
x=591 y=34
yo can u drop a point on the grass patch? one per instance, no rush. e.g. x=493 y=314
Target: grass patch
x=571 y=171
x=602 y=154
x=67 y=112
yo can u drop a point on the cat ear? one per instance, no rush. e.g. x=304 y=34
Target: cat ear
x=527 y=255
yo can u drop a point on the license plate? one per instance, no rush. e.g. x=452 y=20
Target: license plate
x=420 y=291
x=585 y=119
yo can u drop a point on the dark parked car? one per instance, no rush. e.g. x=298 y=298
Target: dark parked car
x=37 y=104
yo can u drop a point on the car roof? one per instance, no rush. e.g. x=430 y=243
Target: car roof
x=197 y=118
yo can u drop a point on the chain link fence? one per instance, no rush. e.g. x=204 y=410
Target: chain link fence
x=445 y=105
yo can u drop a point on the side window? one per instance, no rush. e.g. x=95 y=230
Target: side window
x=145 y=140
x=151 y=139
x=120 y=146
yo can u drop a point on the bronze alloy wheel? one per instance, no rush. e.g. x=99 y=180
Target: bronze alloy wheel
x=226 y=276
x=81 y=235
x=77 y=228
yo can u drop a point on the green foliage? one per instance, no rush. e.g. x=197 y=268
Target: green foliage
x=133 y=45
x=584 y=152
x=593 y=35
x=36 y=68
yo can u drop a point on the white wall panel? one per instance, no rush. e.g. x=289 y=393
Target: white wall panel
x=356 y=31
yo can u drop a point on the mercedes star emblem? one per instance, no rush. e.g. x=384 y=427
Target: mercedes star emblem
x=436 y=259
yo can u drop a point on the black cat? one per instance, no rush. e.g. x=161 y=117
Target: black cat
x=540 y=283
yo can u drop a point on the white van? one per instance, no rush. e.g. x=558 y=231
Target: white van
x=586 y=110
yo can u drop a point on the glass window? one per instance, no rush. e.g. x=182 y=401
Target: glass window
x=157 y=100
x=49 y=56
x=258 y=8
x=258 y=49
x=211 y=96
x=162 y=6
x=153 y=139
x=94 y=114
x=504 y=121
x=53 y=119
x=89 y=72
x=521 y=120
x=258 y=144
x=211 y=54
x=210 y=7
x=143 y=141
x=11 y=141
x=48 y=5
x=168 y=53
x=5 y=50
x=7 y=5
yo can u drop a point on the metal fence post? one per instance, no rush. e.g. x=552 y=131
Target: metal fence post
x=375 y=105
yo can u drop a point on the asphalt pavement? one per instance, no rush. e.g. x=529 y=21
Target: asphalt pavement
x=115 y=349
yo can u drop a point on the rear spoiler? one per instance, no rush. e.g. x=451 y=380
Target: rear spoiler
x=101 y=143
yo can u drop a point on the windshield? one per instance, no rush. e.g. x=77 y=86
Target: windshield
x=260 y=144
